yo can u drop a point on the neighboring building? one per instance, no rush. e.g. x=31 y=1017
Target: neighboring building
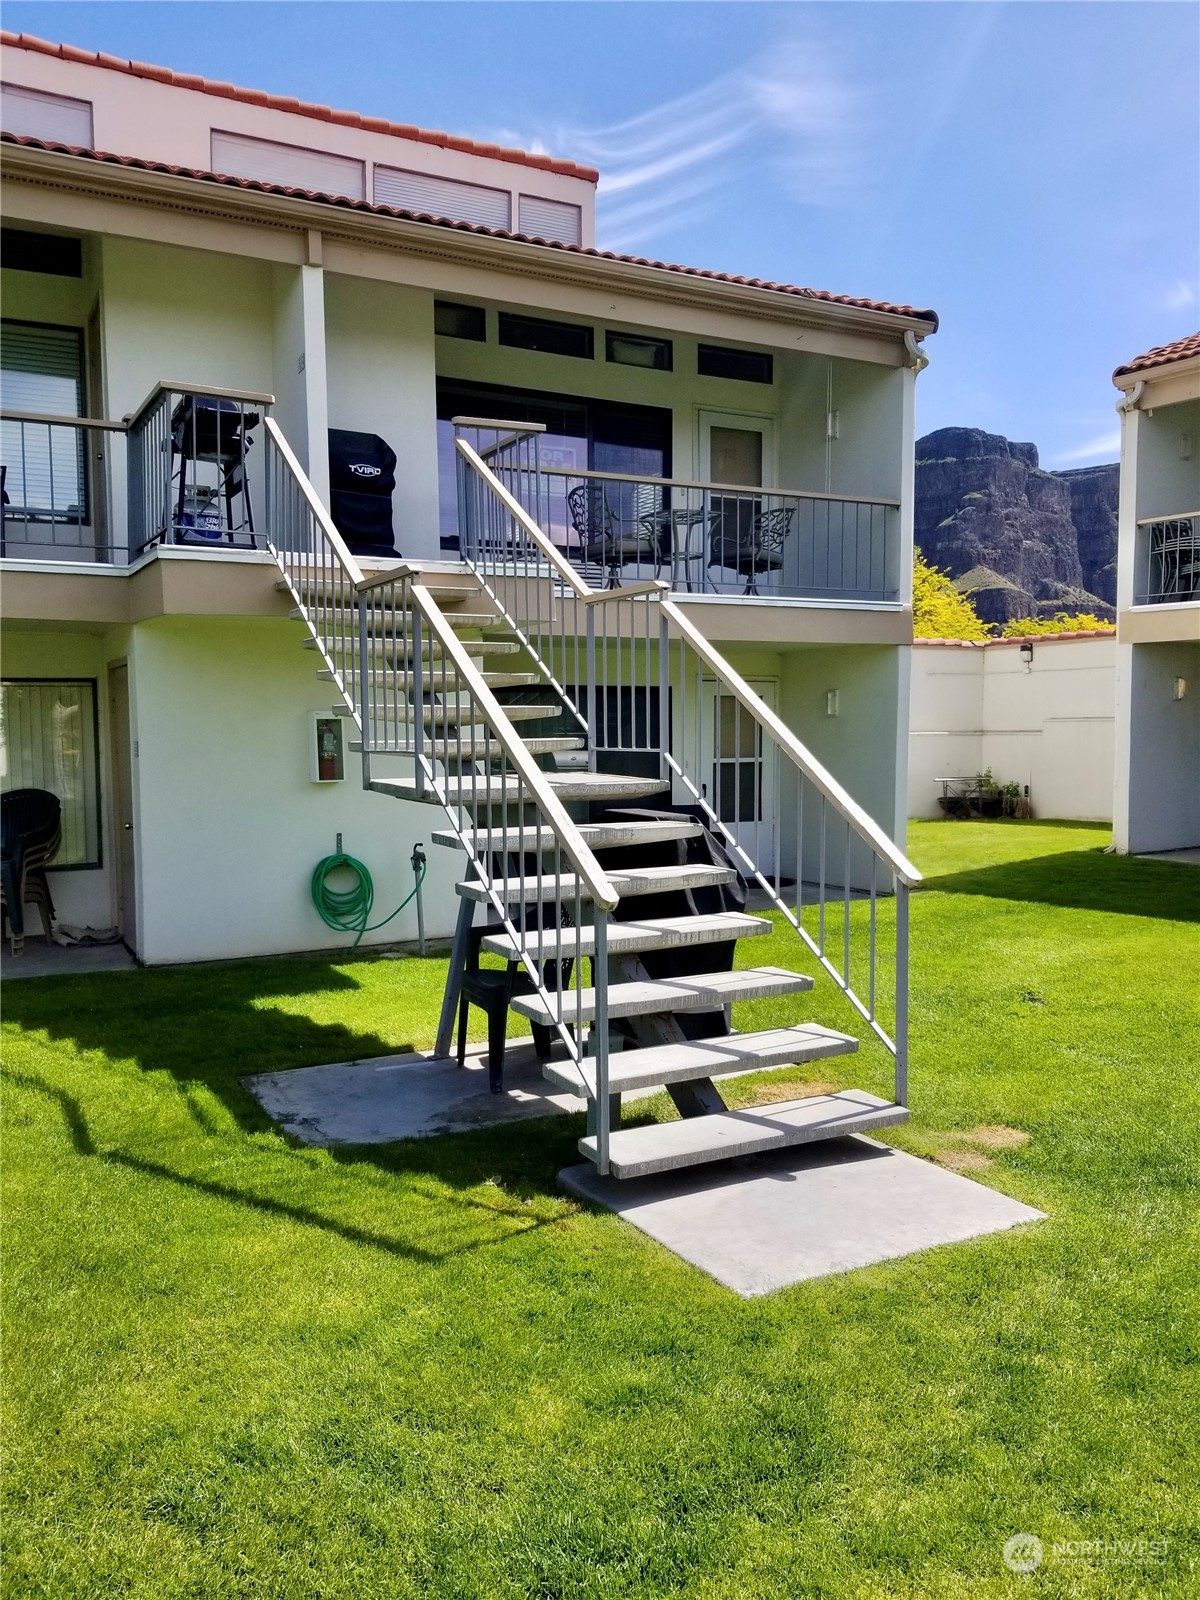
x=1157 y=788
x=167 y=237
x=1036 y=711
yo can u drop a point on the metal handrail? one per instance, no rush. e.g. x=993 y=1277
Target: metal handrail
x=592 y=874
x=165 y=386
x=105 y=423
x=719 y=488
x=578 y=585
x=1165 y=516
x=313 y=501
x=801 y=757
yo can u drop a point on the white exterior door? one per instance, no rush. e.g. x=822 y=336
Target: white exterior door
x=740 y=773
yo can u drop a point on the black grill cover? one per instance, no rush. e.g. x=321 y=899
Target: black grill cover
x=364 y=522
x=361 y=462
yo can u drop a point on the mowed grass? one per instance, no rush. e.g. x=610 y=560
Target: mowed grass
x=236 y=1367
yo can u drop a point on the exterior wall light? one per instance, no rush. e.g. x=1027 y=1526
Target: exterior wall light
x=831 y=702
x=1179 y=689
x=1027 y=652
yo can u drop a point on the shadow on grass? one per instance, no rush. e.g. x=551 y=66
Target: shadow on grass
x=1085 y=880
x=518 y=1162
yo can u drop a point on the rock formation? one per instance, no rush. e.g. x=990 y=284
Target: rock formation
x=1023 y=539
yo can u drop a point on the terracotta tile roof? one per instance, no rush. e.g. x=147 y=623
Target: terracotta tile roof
x=302 y=108
x=1180 y=350
x=343 y=203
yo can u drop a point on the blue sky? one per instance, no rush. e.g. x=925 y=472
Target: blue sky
x=1030 y=170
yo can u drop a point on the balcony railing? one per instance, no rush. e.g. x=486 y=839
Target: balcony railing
x=192 y=477
x=1169 y=559
x=54 y=475
x=704 y=538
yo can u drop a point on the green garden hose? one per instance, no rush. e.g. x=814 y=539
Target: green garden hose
x=349 y=910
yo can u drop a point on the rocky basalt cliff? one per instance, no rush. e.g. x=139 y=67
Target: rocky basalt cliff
x=1029 y=541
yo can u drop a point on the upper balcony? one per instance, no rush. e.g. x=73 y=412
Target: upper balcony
x=181 y=471
x=704 y=538
x=1167 y=560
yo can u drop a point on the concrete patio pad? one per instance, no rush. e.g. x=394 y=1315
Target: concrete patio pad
x=763 y=1223
x=406 y=1096
x=44 y=959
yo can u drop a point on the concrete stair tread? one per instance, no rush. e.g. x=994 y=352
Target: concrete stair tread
x=604 y=786
x=649 y=880
x=596 y=835
x=649 y=996
x=625 y=938
x=466 y=716
x=666 y=1146
x=726 y=1057
x=435 y=686
x=447 y=750
x=401 y=649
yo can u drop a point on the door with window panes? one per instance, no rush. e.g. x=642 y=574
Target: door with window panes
x=743 y=768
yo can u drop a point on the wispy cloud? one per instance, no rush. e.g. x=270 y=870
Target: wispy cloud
x=1104 y=447
x=1180 y=295
x=670 y=163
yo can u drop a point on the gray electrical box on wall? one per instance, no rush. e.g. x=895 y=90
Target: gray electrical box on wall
x=327 y=749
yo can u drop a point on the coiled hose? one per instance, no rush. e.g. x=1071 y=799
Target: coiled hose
x=349 y=910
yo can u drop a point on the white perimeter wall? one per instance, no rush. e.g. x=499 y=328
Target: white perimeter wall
x=229 y=823
x=1049 y=725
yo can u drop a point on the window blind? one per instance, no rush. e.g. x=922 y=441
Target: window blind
x=443 y=197
x=48 y=741
x=41 y=369
x=551 y=219
x=37 y=115
x=293 y=166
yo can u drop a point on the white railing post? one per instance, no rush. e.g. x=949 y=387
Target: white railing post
x=600 y=1037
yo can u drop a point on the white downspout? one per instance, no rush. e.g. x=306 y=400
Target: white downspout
x=916 y=356
x=1130 y=401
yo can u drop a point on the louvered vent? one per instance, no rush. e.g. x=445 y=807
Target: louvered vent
x=291 y=165
x=442 y=197
x=551 y=219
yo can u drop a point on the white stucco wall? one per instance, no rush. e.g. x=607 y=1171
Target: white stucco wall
x=1161 y=808
x=230 y=824
x=380 y=363
x=1048 y=724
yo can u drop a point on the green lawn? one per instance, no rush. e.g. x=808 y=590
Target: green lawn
x=235 y=1367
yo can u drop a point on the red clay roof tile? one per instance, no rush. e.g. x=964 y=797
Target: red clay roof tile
x=1161 y=355
x=256 y=97
x=342 y=202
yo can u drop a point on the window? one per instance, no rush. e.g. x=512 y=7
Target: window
x=54 y=117
x=459 y=322
x=48 y=741
x=594 y=435
x=635 y=350
x=551 y=219
x=748 y=366
x=292 y=166
x=41 y=370
x=552 y=338
x=443 y=197
x=738 y=765
x=55 y=254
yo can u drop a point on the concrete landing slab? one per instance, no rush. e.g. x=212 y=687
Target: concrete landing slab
x=766 y=1222
x=407 y=1096
x=42 y=958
